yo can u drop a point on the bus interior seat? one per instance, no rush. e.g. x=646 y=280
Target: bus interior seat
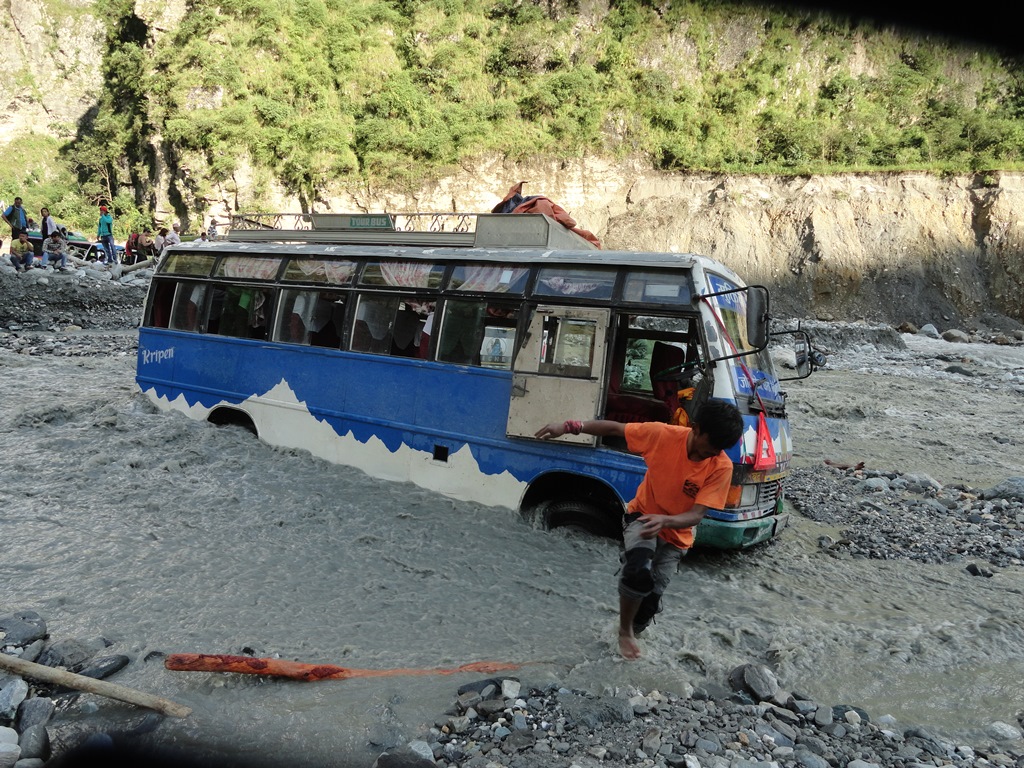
x=666 y=366
x=628 y=408
x=407 y=324
x=363 y=339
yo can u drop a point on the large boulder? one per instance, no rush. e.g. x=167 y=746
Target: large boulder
x=1010 y=488
x=21 y=628
x=755 y=679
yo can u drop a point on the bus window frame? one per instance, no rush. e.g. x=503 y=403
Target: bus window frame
x=162 y=268
x=226 y=284
x=513 y=303
x=570 y=300
x=222 y=257
x=625 y=272
x=692 y=317
x=358 y=261
x=360 y=276
x=156 y=286
x=449 y=291
x=343 y=295
x=202 y=309
x=403 y=295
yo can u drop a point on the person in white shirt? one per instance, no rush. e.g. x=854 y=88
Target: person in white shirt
x=174 y=236
x=47 y=226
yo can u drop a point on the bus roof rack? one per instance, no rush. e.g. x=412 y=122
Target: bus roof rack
x=467 y=230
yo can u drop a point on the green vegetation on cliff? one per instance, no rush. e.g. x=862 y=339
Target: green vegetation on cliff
x=314 y=94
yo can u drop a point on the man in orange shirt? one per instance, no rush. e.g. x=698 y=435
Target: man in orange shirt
x=687 y=472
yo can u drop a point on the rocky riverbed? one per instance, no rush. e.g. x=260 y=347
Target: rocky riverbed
x=92 y=297
x=883 y=629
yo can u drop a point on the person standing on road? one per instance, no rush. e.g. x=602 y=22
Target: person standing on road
x=47 y=225
x=15 y=216
x=105 y=233
x=687 y=473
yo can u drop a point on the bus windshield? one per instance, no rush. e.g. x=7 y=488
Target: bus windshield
x=749 y=370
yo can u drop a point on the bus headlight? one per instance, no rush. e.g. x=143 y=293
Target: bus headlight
x=741 y=496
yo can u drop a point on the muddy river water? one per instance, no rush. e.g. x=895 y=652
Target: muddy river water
x=164 y=534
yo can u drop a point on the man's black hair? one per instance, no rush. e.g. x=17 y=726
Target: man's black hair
x=721 y=422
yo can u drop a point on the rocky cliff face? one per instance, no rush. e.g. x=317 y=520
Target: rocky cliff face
x=50 y=55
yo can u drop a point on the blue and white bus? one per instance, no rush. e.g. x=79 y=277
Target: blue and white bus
x=430 y=349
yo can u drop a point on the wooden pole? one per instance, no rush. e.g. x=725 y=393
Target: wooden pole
x=54 y=676
x=138 y=265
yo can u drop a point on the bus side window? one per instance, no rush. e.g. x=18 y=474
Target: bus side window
x=312 y=318
x=568 y=347
x=477 y=333
x=391 y=325
x=240 y=311
x=374 y=324
x=187 y=311
x=160 y=307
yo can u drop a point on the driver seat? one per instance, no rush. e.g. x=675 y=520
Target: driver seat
x=666 y=370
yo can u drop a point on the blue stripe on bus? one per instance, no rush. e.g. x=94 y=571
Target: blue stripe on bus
x=376 y=396
x=450 y=405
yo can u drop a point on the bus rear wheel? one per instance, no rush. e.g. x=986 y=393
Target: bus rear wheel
x=223 y=417
x=582 y=515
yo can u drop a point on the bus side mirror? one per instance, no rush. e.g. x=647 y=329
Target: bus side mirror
x=805 y=358
x=757 y=316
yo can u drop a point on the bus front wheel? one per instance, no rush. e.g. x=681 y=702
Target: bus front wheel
x=572 y=513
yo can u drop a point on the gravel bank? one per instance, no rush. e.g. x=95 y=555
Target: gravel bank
x=749 y=721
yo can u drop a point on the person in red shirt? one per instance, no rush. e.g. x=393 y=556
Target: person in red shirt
x=687 y=473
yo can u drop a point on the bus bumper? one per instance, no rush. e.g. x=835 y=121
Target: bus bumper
x=720 y=534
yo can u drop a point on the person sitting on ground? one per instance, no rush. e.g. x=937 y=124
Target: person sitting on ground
x=687 y=473
x=22 y=252
x=56 y=250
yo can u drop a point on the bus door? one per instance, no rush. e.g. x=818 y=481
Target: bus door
x=557 y=374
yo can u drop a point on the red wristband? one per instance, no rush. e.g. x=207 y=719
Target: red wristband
x=573 y=427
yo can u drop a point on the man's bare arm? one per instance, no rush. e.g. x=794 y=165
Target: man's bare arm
x=596 y=427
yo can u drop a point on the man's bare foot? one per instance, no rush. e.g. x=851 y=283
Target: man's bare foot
x=628 y=647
